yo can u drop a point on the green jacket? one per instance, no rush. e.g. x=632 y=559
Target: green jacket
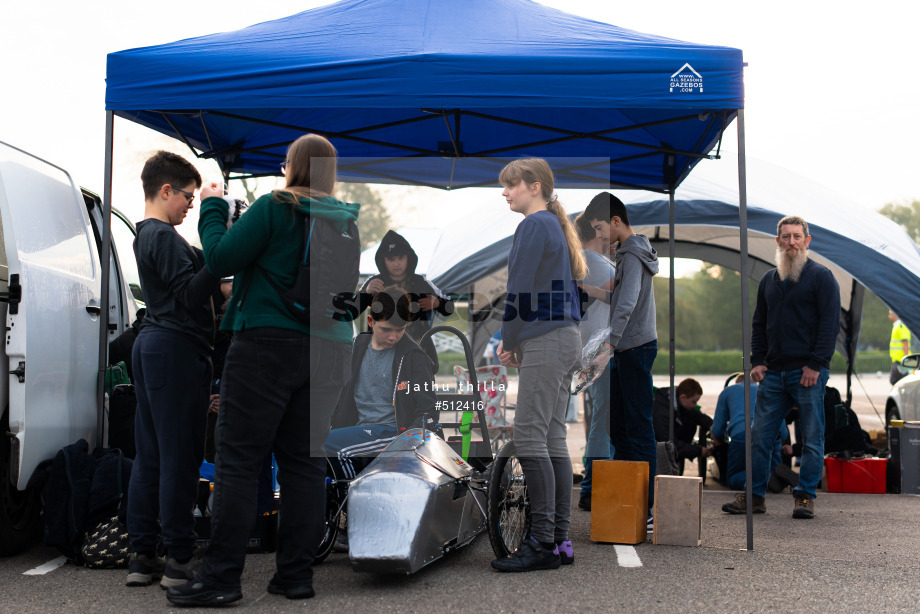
x=269 y=234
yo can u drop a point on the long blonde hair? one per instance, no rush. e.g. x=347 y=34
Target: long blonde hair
x=310 y=169
x=530 y=171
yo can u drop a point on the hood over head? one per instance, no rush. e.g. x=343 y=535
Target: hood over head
x=394 y=244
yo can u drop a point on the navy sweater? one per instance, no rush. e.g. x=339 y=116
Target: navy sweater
x=542 y=295
x=796 y=324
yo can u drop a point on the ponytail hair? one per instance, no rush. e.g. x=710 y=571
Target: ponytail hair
x=533 y=170
x=576 y=255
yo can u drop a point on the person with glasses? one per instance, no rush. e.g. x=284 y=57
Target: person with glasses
x=172 y=372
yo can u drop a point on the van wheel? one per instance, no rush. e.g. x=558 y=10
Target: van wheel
x=891 y=413
x=19 y=510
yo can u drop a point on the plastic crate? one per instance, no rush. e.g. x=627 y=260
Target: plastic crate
x=858 y=475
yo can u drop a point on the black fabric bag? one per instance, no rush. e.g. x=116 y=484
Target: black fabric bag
x=122 y=407
x=842 y=431
x=106 y=545
x=66 y=498
x=83 y=490
x=324 y=290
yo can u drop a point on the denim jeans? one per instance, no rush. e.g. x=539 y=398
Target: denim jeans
x=631 y=429
x=735 y=464
x=278 y=391
x=776 y=395
x=172 y=377
x=598 y=446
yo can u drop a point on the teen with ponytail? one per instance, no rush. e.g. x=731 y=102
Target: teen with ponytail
x=540 y=337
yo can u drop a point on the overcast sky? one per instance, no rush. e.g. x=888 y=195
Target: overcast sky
x=831 y=89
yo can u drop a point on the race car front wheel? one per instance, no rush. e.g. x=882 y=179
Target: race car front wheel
x=509 y=504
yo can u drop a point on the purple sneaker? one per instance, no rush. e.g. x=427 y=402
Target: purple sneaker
x=565 y=552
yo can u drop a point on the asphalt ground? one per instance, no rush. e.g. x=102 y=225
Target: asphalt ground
x=860 y=553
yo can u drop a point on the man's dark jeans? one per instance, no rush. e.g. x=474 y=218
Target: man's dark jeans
x=278 y=392
x=632 y=432
x=172 y=377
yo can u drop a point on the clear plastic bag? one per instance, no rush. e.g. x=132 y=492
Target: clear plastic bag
x=591 y=357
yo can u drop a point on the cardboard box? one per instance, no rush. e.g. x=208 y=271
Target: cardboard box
x=879 y=439
x=678 y=501
x=904 y=463
x=619 y=502
x=858 y=475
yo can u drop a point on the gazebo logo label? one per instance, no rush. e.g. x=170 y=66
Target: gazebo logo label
x=686 y=80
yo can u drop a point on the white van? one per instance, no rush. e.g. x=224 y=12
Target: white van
x=50 y=289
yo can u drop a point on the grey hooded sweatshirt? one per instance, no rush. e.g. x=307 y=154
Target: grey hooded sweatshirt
x=632 y=315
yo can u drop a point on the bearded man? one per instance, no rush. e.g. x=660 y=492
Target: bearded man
x=794 y=331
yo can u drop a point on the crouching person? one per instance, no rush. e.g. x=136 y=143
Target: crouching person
x=391 y=388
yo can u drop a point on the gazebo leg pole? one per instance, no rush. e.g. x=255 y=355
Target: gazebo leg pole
x=104 y=277
x=745 y=326
x=671 y=325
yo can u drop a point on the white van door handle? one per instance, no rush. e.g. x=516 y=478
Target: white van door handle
x=93 y=309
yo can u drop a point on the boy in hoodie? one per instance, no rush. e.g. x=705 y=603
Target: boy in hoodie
x=171 y=361
x=391 y=386
x=633 y=340
x=397 y=261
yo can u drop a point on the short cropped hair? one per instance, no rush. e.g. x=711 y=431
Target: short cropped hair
x=583 y=226
x=605 y=206
x=688 y=388
x=166 y=167
x=792 y=220
x=391 y=303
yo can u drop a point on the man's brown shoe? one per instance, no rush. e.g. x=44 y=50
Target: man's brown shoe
x=739 y=505
x=804 y=507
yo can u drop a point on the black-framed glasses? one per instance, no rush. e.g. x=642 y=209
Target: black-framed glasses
x=188 y=195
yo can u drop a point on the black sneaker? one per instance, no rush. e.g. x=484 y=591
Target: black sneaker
x=804 y=507
x=530 y=556
x=584 y=503
x=304 y=591
x=176 y=573
x=739 y=505
x=143 y=569
x=197 y=593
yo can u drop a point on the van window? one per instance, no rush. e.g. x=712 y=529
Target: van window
x=123 y=238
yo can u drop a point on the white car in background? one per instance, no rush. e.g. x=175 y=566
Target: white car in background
x=50 y=291
x=904 y=399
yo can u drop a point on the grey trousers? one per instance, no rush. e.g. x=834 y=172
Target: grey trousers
x=539 y=428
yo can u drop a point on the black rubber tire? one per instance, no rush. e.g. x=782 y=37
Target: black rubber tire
x=509 y=505
x=20 y=511
x=891 y=413
x=332 y=517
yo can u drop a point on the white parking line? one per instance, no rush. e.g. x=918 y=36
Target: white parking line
x=49 y=566
x=627 y=557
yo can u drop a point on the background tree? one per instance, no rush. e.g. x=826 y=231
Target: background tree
x=374 y=219
x=907 y=216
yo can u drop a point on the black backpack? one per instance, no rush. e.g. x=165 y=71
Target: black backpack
x=324 y=290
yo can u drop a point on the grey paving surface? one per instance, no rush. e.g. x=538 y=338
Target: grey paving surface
x=861 y=553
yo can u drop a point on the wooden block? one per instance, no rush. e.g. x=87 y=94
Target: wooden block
x=619 y=501
x=678 y=501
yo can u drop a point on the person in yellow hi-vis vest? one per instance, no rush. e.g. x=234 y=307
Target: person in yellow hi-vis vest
x=898 y=348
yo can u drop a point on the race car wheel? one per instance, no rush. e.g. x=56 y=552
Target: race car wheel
x=333 y=517
x=509 y=504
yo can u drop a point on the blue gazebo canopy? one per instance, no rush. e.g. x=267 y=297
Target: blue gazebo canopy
x=440 y=93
